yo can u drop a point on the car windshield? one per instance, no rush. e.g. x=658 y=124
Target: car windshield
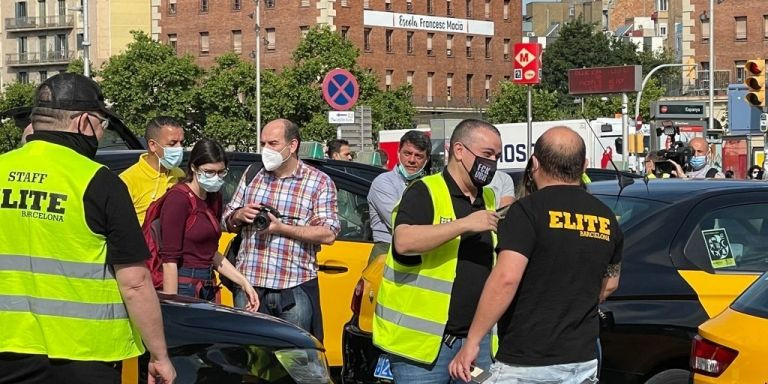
x=629 y=210
x=754 y=301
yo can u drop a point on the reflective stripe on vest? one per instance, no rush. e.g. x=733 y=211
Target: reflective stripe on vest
x=57 y=297
x=413 y=300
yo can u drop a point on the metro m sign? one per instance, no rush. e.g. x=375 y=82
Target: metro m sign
x=527 y=64
x=603 y=80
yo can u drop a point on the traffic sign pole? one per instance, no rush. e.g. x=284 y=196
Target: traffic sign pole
x=529 y=145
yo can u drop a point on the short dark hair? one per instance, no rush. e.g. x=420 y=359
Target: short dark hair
x=156 y=125
x=418 y=139
x=205 y=151
x=559 y=160
x=334 y=146
x=466 y=128
x=292 y=132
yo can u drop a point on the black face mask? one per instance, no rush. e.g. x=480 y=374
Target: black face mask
x=86 y=144
x=482 y=170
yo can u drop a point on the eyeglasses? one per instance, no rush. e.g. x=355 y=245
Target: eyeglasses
x=211 y=173
x=104 y=121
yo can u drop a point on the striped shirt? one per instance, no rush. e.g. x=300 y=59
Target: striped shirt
x=275 y=261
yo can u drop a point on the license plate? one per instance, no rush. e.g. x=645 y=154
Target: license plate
x=383 y=369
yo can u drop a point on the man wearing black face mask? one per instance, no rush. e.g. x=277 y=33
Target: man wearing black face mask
x=77 y=298
x=441 y=254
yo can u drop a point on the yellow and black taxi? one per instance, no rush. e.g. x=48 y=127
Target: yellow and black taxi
x=690 y=247
x=731 y=347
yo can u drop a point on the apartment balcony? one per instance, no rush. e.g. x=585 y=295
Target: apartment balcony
x=700 y=85
x=20 y=24
x=37 y=58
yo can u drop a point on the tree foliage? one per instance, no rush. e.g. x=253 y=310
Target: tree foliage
x=148 y=80
x=511 y=104
x=14 y=95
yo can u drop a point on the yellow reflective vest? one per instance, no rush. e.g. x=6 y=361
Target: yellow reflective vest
x=57 y=295
x=413 y=300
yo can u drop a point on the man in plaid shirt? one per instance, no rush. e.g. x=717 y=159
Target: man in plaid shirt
x=281 y=261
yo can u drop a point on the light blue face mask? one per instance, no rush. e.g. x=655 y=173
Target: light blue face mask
x=409 y=177
x=172 y=157
x=698 y=162
x=209 y=184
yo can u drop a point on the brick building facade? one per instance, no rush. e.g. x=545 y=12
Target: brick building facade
x=453 y=52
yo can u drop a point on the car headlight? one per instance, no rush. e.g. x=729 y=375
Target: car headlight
x=304 y=365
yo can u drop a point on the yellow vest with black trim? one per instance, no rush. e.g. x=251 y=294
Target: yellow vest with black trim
x=57 y=295
x=413 y=301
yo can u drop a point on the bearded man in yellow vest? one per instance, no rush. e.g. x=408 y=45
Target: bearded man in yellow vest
x=441 y=254
x=76 y=297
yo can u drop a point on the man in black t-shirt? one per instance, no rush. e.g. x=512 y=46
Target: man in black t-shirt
x=559 y=256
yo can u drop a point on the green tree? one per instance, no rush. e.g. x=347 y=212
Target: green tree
x=14 y=95
x=148 y=80
x=510 y=104
x=78 y=66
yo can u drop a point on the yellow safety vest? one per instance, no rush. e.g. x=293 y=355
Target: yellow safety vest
x=413 y=300
x=57 y=296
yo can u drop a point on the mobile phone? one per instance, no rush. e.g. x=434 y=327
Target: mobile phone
x=478 y=375
x=503 y=211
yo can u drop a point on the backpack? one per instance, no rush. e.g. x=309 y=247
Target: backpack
x=152 y=230
x=234 y=245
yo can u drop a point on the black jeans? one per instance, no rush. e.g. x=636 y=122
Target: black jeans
x=39 y=369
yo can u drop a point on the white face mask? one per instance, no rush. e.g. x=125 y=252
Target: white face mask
x=272 y=159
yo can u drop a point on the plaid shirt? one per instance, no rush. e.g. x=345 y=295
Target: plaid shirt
x=275 y=261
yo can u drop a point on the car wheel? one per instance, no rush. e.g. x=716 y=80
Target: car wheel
x=671 y=376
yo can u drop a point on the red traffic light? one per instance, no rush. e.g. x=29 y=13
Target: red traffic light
x=753 y=68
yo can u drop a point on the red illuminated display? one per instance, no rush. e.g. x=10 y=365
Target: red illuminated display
x=604 y=80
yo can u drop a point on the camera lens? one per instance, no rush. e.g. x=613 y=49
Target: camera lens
x=261 y=221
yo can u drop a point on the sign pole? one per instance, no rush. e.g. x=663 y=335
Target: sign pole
x=362 y=129
x=624 y=129
x=529 y=144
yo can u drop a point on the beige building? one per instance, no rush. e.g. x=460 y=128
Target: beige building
x=546 y=18
x=41 y=37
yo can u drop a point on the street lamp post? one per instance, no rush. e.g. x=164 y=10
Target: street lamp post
x=86 y=37
x=258 y=77
x=711 y=67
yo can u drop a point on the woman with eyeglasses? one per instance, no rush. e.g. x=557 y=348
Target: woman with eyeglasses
x=189 y=245
x=755 y=172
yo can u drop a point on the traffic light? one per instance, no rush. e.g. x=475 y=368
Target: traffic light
x=755 y=82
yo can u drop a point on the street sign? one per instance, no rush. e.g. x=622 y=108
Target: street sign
x=341 y=117
x=677 y=110
x=605 y=80
x=359 y=134
x=527 y=64
x=340 y=89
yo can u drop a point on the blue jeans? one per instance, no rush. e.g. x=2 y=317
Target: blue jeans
x=292 y=304
x=202 y=290
x=573 y=373
x=409 y=371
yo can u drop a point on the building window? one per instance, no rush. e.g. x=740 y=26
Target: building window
x=203 y=6
x=740 y=71
x=304 y=31
x=304 y=3
x=409 y=77
x=705 y=29
x=449 y=86
x=662 y=5
x=741 y=28
x=41 y=10
x=487 y=88
x=204 y=44
x=388 y=80
x=448 y=8
x=409 y=42
x=449 y=45
x=506 y=78
x=663 y=30
x=469 y=87
x=430 y=76
x=43 y=75
x=22 y=77
x=237 y=41
x=469 y=9
x=506 y=49
x=270 y=39
x=61 y=45
x=367 y=4
x=270 y=3
x=388 y=5
x=23 y=49
x=21 y=9
x=42 y=45
x=765 y=26
x=173 y=41
x=487 y=12
x=344 y=32
x=505 y=11
x=237 y=5
x=487 y=47
x=367 y=39
x=389 y=40
x=171 y=7
x=430 y=7
x=409 y=6
x=469 y=46
x=430 y=36
x=345 y=3
x=80 y=39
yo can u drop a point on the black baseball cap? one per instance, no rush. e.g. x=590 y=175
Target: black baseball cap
x=71 y=92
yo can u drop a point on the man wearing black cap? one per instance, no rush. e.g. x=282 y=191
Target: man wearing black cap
x=75 y=294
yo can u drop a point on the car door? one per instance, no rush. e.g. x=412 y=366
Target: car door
x=341 y=264
x=721 y=248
